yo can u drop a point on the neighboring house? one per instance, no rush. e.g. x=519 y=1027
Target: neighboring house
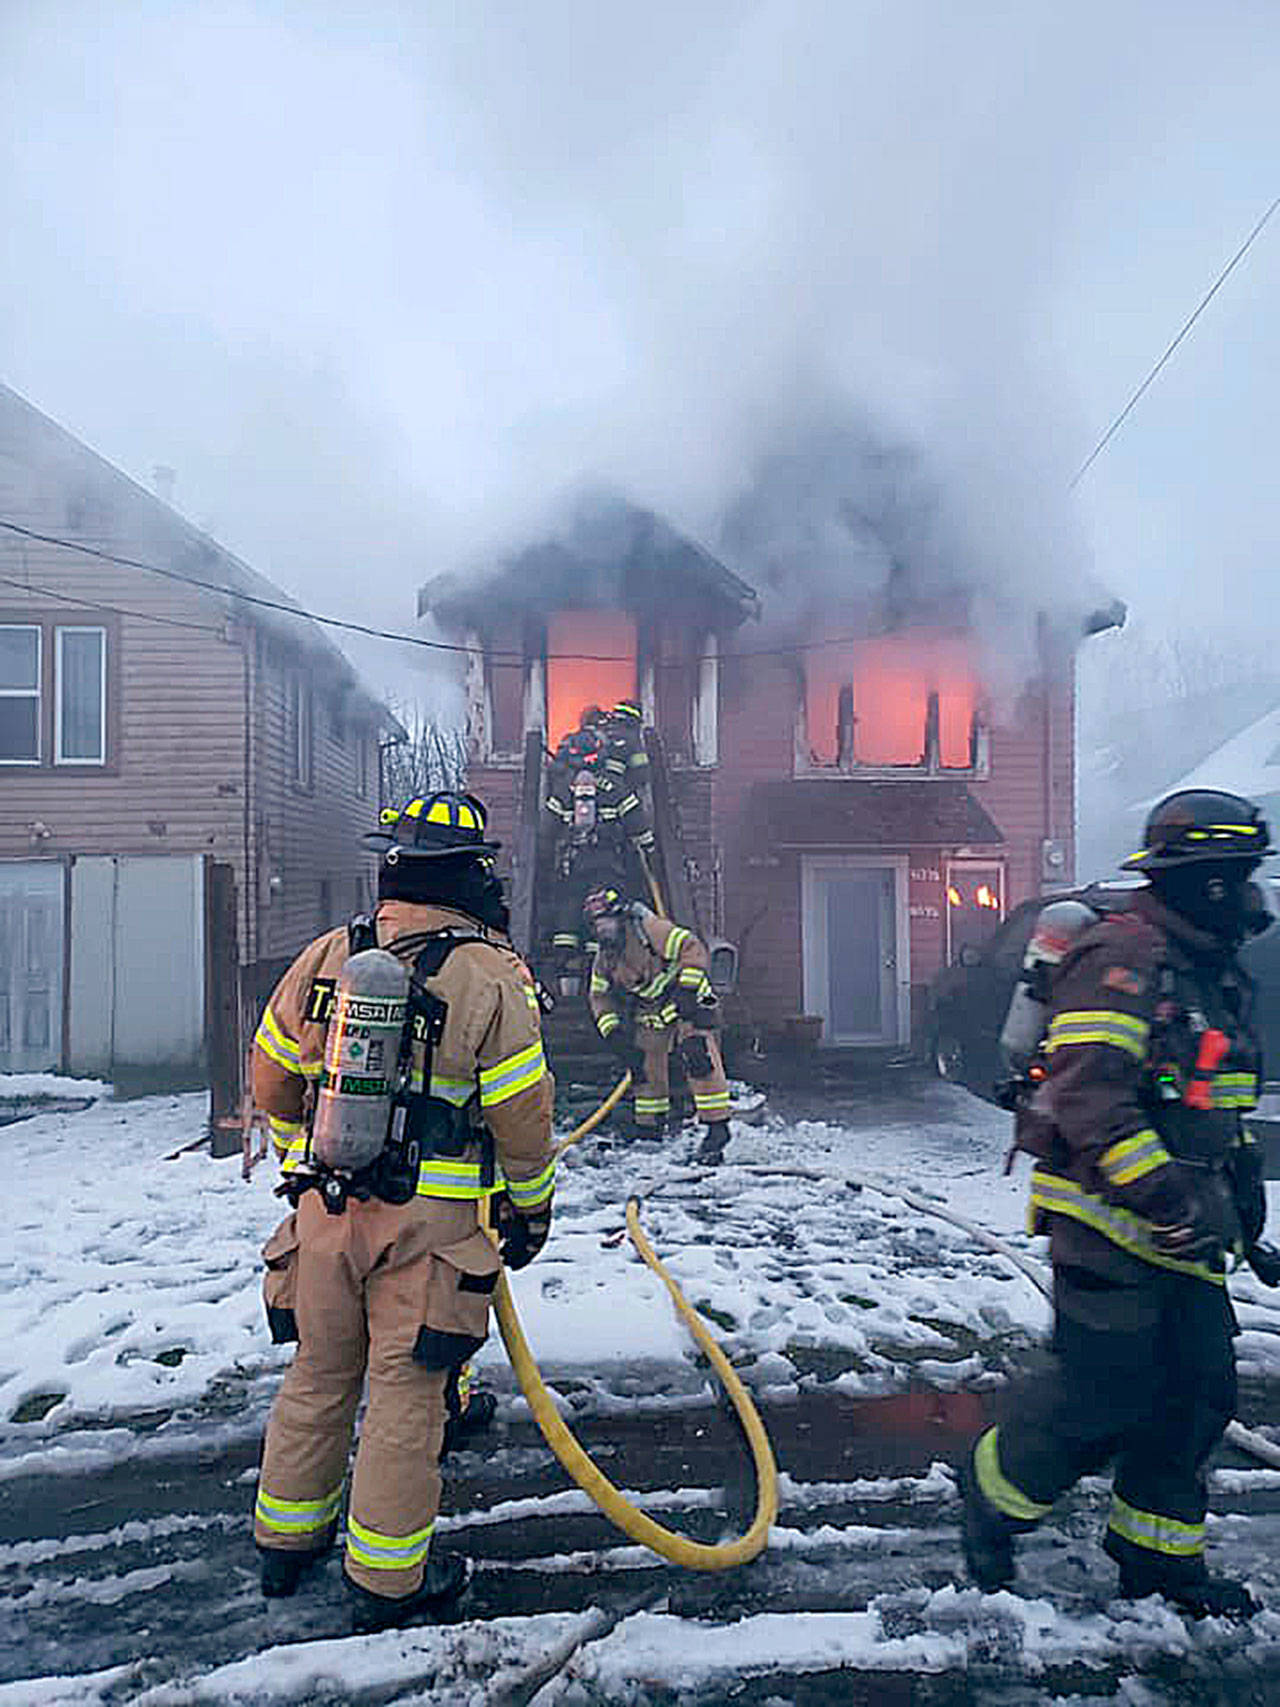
x=1247 y=763
x=169 y=757
x=851 y=807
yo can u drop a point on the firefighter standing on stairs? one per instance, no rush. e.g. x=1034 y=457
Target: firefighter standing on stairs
x=1146 y=1181
x=595 y=818
x=385 y=1269
x=649 y=991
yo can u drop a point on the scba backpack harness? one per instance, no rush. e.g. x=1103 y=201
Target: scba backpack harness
x=375 y=1120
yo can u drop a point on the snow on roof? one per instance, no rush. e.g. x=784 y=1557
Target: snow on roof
x=1248 y=763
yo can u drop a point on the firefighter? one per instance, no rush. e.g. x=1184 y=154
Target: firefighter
x=1146 y=1182
x=592 y=817
x=649 y=992
x=385 y=1270
x=628 y=757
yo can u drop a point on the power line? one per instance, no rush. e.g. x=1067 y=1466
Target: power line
x=304 y=615
x=1204 y=302
x=105 y=610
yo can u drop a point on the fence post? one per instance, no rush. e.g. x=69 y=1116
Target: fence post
x=222 y=1008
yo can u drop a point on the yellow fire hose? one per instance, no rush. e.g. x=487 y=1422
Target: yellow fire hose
x=679 y=1549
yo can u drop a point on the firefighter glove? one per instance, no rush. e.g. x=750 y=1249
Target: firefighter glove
x=1189 y=1241
x=702 y=1010
x=521 y=1237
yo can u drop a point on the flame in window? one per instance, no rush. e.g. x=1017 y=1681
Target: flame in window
x=868 y=702
x=606 y=674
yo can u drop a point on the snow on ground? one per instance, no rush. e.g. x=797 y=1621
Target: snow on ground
x=131 y=1325
x=35 y=1087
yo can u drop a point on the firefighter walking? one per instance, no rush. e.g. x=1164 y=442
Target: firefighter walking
x=383 y=1267
x=1146 y=1182
x=649 y=993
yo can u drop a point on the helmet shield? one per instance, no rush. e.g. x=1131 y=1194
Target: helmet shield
x=1202 y=825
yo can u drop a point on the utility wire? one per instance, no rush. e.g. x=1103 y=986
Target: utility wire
x=304 y=615
x=1204 y=302
x=106 y=610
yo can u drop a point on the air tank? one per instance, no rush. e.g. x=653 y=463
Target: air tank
x=1056 y=929
x=361 y=1055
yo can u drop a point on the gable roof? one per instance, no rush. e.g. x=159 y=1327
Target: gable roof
x=1247 y=763
x=611 y=552
x=183 y=552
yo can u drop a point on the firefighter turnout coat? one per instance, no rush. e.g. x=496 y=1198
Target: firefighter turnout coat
x=1136 y=1128
x=401 y=1290
x=656 y=982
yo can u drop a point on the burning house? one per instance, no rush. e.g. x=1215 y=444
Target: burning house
x=836 y=791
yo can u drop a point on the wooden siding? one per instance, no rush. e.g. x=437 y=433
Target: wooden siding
x=197 y=736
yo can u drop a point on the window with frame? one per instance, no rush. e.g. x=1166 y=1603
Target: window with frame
x=21 y=667
x=906 y=700
x=302 y=730
x=80 y=704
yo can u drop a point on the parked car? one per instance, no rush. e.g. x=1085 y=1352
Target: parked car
x=969 y=999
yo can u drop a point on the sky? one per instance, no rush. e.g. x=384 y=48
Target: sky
x=379 y=282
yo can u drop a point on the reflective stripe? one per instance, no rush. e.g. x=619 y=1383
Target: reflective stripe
x=598 y=984
x=311 y=1069
x=1099 y=1025
x=554 y=806
x=284 y=1128
x=654 y=988
x=708 y=1101
x=466 y=1380
x=607 y=1023
x=1158 y=1534
x=1235 y=1090
x=653 y=1105
x=1060 y=1196
x=996 y=1488
x=628 y=805
x=455 y=1091
x=377 y=1552
x=517 y=1073
x=294 y=1154
x=565 y=939
x=1134 y=1157
x=692 y=977
x=461 y=1180
x=676 y=939
x=638 y=760
x=529 y=1193
x=275 y=1045
x=297 y=1517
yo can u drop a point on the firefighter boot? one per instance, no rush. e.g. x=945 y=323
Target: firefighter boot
x=284 y=1567
x=444 y=1580
x=985 y=1535
x=714 y=1140
x=1199 y=1596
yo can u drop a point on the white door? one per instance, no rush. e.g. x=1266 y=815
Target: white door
x=32 y=957
x=856 y=972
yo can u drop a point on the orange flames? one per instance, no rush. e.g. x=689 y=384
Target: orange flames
x=891 y=677
x=604 y=676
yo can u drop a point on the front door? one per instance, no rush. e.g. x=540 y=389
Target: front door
x=855 y=949
x=32 y=955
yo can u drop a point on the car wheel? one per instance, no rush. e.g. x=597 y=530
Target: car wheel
x=947 y=1056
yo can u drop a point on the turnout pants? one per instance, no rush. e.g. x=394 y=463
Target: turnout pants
x=402 y=1292
x=703 y=1070
x=1143 y=1377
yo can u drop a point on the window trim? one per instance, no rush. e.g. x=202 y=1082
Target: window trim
x=36 y=693
x=61 y=629
x=302 y=764
x=48 y=619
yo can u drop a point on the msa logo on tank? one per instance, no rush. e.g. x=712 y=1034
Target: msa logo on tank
x=361 y=1060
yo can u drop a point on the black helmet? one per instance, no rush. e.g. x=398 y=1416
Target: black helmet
x=433 y=827
x=1198 y=824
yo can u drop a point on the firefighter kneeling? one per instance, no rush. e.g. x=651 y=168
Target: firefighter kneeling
x=427 y=1094
x=649 y=990
x=1145 y=1180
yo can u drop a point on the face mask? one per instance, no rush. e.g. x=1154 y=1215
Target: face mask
x=1213 y=895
